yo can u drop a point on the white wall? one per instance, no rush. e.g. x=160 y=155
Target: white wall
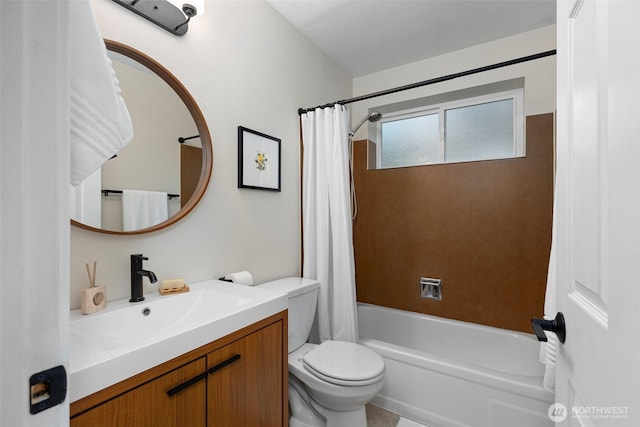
x=539 y=75
x=244 y=65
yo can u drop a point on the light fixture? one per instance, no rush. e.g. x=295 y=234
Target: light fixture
x=166 y=14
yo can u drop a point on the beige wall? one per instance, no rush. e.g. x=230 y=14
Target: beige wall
x=244 y=65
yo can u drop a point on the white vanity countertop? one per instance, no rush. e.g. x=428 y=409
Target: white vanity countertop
x=119 y=341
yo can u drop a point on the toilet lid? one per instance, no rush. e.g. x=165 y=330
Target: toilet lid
x=344 y=363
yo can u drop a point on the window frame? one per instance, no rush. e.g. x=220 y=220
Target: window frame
x=517 y=95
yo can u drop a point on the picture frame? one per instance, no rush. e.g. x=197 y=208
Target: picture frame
x=259 y=160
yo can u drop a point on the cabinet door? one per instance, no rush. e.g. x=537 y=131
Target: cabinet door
x=149 y=405
x=247 y=392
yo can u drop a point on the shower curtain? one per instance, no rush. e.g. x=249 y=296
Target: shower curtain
x=326 y=218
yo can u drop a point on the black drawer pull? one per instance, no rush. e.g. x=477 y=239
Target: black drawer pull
x=186 y=384
x=192 y=381
x=224 y=363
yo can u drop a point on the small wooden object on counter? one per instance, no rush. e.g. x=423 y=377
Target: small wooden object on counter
x=185 y=288
x=95 y=298
x=173 y=286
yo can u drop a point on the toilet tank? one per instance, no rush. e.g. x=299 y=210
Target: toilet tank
x=303 y=297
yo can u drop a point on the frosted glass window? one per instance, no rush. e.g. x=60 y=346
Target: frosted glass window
x=410 y=142
x=484 y=127
x=479 y=132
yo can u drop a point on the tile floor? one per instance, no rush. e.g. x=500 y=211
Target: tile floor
x=378 y=417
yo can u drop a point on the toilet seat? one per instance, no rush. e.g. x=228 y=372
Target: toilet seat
x=344 y=363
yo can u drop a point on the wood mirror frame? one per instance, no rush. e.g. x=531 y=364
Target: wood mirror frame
x=198 y=118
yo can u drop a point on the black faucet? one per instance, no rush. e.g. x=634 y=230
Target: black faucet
x=136 y=277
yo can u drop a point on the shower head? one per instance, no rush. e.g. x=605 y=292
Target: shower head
x=375 y=116
x=372 y=117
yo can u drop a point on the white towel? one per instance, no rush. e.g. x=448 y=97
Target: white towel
x=549 y=349
x=100 y=121
x=143 y=209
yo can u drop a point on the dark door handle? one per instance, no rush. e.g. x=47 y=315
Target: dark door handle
x=224 y=363
x=556 y=325
x=197 y=378
x=186 y=384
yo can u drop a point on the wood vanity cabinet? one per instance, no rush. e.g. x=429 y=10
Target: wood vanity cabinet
x=149 y=405
x=237 y=381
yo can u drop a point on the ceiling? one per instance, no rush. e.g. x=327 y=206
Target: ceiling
x=365 y=36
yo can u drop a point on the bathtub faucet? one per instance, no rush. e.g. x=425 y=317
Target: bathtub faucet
x=136 y=277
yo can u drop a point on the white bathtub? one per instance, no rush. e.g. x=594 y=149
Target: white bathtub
x=443 y=372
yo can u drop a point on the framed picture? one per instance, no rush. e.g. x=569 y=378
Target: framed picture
x=258 y=160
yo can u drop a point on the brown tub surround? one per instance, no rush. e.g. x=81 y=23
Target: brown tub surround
x=484 y=228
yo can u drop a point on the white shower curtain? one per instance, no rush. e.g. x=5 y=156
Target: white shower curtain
x=326 y=212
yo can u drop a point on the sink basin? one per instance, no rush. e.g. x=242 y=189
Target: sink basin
x=158 y=318
x=128 y=338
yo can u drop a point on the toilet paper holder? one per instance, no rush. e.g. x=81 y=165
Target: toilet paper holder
x=240 y=277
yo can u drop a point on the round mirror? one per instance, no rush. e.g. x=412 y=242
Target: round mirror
x=169 y=159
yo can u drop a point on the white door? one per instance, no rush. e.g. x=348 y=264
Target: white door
x=34 y=222
x=598 y=212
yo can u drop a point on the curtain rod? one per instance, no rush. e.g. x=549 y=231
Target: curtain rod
x=434 y=80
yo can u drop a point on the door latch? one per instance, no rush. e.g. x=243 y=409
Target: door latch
x=47 y=388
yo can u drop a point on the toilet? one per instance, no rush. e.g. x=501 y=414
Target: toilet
x=329 y=383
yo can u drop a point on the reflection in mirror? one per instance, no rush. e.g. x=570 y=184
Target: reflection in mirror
x=151 y=162
x=168 y=162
